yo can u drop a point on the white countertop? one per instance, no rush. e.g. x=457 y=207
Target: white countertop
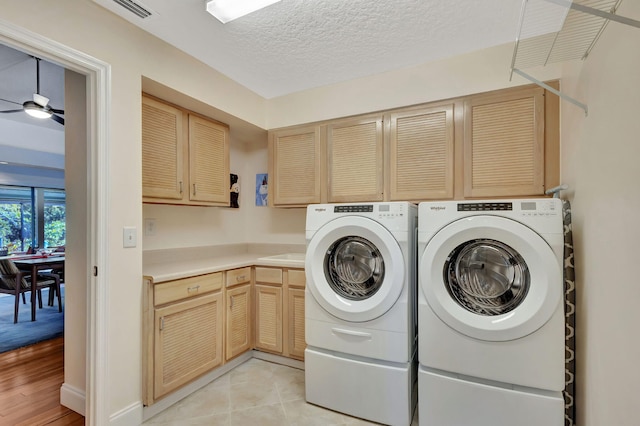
x=183 y=267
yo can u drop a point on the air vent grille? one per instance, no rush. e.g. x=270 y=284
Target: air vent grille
x=135 y=8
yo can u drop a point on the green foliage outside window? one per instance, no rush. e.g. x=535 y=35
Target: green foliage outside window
x=17 y=227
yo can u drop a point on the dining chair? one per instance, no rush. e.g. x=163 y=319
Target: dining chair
x=17 y=282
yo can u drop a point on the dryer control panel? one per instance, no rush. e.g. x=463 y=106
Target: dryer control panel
x=522 y=207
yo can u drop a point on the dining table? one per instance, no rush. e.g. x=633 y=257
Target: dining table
x=33 y=264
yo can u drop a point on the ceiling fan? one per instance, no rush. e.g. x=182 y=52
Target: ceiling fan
x=39 y=106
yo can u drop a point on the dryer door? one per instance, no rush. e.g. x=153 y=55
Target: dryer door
x=491 y=278
x=354 y=268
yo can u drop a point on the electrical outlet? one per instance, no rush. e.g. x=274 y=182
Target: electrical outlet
x=149 y=227
x=129 y=236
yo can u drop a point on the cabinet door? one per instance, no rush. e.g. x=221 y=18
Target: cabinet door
x=238 y=320
x=294 y=166
x=296 y=343
x=162 y=150
x=188 y=341
x=208 y=161
x=421 y=154
x=269 y=318
x=504 y=144
x=355 y=160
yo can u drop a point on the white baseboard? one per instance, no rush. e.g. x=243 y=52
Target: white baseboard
x=131 y=415
x=73 y=398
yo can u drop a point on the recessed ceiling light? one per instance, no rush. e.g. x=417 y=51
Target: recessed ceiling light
x=228 y=10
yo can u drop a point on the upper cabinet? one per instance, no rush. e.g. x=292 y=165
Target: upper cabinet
x=498 y=144
x=295 y=166
x=185 y=157
x=421 y=148
x=162 y=150
x=355 y=160
x=504 y=144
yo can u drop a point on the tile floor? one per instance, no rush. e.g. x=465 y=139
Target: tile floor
x=254 y=393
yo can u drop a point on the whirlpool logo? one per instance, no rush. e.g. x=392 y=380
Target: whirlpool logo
x=437 y=208
x=321 y=210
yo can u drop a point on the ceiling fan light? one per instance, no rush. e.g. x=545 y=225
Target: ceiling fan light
x=228 y=10
x=35 y=110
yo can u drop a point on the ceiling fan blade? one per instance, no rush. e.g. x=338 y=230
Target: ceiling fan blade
x=57 y=119
x=11 y=102
x=57 y=111
x=11 y=110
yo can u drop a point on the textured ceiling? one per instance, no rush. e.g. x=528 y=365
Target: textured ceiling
x=295 y=45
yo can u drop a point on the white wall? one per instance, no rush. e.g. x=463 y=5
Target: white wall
x=476 y=72
x=600 y=155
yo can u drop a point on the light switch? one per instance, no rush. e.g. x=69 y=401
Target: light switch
x=129 y=236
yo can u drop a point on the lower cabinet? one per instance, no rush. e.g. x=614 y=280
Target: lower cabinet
x=294 y=326
x=188 y=341
x=280 y=311
x=196 y=324
x=269 y=318
x=184 y=326
x=238 y=312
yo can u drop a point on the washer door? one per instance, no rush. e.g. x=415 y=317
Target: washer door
x=490 y=278
x=354 y=268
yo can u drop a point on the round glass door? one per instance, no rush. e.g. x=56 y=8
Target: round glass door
x=355 y=268
x=487 y=277
x=491 y=278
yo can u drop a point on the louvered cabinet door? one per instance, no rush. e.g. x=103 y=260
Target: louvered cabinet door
x=355 y=160
x=188 y=341
x=296 y=337
x=238 y=320
x=162 y=150
x=208 y=161
x=504 y=145
x=269 y=318
x=294 y=166
x=421 y=154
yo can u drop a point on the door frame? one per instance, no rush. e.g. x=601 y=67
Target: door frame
x=98 y=78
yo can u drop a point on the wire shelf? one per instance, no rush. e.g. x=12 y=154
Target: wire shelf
x=554 y=31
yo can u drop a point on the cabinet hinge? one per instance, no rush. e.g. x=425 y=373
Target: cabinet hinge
x=161 y=323
x=95 y=271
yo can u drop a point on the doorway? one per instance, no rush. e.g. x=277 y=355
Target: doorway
x=87 y=121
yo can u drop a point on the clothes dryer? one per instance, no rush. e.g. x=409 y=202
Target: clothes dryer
x=360 y=309
x=490 y=313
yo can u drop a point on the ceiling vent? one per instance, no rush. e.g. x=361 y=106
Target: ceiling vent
x=135 y=8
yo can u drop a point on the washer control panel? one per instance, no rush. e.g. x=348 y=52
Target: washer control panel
x=483 y=207
x=383 y=211
x=539 y=208
x=356 y=208
x=525 y=208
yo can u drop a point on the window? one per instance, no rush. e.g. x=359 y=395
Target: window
x=29 y=216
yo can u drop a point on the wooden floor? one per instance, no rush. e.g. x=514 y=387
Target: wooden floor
x=30 y=380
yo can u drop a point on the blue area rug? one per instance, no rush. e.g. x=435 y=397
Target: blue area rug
x=49 y=323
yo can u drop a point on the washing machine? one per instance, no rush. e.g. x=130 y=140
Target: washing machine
x=360 y=309
x=491 y=313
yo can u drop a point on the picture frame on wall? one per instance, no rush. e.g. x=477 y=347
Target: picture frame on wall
x=262 y=189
